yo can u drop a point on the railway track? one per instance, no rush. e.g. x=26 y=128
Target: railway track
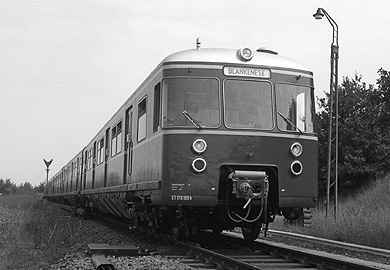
x=264 y=254
x=230 y=251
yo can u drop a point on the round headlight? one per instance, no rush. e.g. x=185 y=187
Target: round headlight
x=296 y=149
x=199 y=165
x=199 y=146
x=296 y=168
x=246 y=54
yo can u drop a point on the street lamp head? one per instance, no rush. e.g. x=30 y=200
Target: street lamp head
x=319 y=14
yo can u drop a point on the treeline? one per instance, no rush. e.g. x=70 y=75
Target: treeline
x=364 y=133
x=8 y=188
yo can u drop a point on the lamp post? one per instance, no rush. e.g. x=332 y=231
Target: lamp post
x=47 y=163
x=332 y=167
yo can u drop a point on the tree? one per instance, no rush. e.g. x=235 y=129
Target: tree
x=7 y=187
x=40 y=188
x=25 y=188
x=364 y=132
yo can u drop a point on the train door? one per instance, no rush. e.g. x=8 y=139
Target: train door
x=106 y=154
x=85 y=168
x=62 y=180
x=77 y=174
x=71 y=179
x=93 y=165
x=81 y=172
x=69 y=184
x=128 y=155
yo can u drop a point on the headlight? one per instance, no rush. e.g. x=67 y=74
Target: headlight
x=199 y=165
x=199 y=146
x=296 y=149
x=296 y=168
x=245 y=53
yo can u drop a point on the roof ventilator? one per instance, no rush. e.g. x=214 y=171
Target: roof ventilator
x=266 y=50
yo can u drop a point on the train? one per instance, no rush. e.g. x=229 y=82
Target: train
x=213 y=139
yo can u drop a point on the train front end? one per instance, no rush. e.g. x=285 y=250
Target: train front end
x=239 y=145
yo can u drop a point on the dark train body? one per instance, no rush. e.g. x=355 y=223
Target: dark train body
x=212 y=139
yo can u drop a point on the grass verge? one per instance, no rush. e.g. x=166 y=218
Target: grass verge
x=362 y=219
x=33 y=234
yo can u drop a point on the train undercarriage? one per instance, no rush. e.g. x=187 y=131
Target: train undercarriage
x=245 y=201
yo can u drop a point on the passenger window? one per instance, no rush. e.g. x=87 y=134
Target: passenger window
x=113 y=142
x=142 y=120
x=89 y=159
x=119 y=137
x=100 y=151
x=116 y=139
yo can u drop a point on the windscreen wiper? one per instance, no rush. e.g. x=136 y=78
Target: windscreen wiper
x=289 y=122
x=192 y=120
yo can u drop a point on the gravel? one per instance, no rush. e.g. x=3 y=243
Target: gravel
x=77 y=256
x=93 y=232
x=83 y=261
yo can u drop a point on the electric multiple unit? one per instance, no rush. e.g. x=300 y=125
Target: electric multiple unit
x=212 y=139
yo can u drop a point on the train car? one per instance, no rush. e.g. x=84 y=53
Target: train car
x=212 y=139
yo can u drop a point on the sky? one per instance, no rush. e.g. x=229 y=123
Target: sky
x=66 y=66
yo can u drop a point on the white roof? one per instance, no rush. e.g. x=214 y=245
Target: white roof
x=230 y=56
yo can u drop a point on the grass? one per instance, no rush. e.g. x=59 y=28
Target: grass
x=33 y=234
x=362 y=219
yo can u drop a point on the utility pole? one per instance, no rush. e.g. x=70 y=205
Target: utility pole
x=333 y=139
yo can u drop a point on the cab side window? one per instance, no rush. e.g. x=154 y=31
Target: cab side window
x=157 y=108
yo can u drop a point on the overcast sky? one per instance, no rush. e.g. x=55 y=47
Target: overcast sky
x=67 y=65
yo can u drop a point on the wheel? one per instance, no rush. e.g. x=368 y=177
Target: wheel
x=158 y=221
x=217 y=227
x=217 y=230
x=251 y=231
x=135 y=223
x=178 y=232
x=292 y=213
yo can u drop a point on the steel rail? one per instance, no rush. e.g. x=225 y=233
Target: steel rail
x=319 y=259
x=349 y=246
x=236 y=261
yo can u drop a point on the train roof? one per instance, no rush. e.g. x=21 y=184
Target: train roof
x=261 y=57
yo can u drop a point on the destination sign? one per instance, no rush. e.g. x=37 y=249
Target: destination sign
x=247 y=72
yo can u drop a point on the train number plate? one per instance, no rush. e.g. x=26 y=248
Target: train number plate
x=181 y=198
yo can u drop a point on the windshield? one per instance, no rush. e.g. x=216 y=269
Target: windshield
x=191 y=102
x=294 y=106
x=248 y=104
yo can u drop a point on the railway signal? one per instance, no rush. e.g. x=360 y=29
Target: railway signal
x=47 y=163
